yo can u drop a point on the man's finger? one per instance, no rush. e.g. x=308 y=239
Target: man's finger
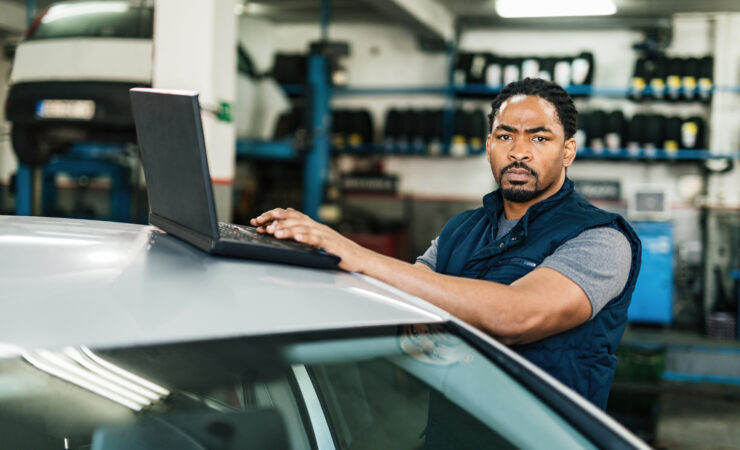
x=291 y=232
x=309 y=239
x=263 y=219
x=289 y=223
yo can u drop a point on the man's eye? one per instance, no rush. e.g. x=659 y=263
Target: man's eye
x=504 y=137
x=540 y=139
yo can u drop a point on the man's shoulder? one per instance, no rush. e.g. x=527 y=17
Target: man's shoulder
x=579 y=212
x=600 y=235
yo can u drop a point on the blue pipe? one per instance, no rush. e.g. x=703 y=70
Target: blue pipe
x=325 y=19
x=30 y=11
x=24 y=174
x=317 y=159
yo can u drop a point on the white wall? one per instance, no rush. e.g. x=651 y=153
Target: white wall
x=725 y=132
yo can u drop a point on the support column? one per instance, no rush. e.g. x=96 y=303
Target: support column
x=316 y=164
x=195 y=49
x=724 y=189
x=28 y=179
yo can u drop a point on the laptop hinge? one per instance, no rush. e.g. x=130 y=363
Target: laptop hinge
x=199 y=240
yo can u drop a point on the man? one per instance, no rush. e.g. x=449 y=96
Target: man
x=537 y=266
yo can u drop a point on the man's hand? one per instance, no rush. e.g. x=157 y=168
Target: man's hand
x=292 y=224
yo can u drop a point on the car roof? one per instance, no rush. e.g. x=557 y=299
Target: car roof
x=103 y=284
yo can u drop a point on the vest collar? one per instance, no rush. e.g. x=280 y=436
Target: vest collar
x=493 y=204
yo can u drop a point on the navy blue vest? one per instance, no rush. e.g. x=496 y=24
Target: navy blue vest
x=583 y=357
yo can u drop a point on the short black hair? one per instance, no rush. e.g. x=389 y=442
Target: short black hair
x=547 y=90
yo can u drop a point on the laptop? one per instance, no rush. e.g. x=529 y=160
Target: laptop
x=173 y=154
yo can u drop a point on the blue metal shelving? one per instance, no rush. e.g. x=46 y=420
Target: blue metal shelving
x=653 y=154
x=589 y=90
x=487 y=90
x=285 y=150
x=253 y=148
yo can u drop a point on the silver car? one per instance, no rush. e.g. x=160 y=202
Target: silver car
x=118 y=336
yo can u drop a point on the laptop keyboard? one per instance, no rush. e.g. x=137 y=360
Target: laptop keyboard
x=249 y=234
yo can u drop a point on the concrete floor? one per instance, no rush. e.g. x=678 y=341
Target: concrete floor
x=698 y=416
x=678 y=389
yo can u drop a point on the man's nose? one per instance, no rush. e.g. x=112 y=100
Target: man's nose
x=520 y=150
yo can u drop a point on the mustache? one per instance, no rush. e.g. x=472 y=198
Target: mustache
x=518 y=165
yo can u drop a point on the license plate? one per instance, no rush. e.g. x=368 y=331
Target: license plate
x=66 y=109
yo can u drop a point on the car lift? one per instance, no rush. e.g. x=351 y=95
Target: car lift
x=85 y=159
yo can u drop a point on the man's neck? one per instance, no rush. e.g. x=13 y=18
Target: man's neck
x=517 y=210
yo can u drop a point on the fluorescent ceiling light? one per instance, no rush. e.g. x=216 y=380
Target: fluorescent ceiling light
x=124 y=373
x=73 y=378
x=554 y=8
x=89 y=371
x=89 y=365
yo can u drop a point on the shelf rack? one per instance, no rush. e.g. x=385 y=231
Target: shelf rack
x=284 y=150
x=319 y=93
x=487 y=90
x=596 y=91
x=653 y=154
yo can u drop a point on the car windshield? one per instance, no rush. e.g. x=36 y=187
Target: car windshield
x=406 y=387
x=108 y=19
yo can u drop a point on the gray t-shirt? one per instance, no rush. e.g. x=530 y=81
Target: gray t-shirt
x=598 y=260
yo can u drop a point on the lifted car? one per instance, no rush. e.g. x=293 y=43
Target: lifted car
x=71 y=75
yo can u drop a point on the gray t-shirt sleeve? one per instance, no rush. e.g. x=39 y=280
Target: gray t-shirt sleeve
x=430 y=256
x=598 y=260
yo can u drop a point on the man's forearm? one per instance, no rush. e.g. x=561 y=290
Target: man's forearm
x=489 y=306
x=540 y=304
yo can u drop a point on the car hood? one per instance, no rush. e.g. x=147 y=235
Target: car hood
x=102 y=284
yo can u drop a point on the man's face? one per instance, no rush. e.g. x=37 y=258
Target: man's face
x=527 y=149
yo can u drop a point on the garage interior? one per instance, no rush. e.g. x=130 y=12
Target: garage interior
x=371 y=117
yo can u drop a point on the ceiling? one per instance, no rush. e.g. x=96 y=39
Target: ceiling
x=466 y=11
x=482 y=12
x=630 y=14
x=471 y=13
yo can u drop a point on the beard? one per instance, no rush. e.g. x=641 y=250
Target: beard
x=518 y=192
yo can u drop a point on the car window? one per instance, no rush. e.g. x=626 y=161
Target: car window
x=405 y=387
x=107 y=19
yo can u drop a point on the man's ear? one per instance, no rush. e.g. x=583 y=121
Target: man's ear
x=570 y=152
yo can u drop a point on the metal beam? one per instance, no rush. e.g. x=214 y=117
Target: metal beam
x=429 y=18
x=13 y=17
x=564 y=23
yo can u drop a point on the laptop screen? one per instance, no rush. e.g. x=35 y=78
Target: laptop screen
x=173 y=154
